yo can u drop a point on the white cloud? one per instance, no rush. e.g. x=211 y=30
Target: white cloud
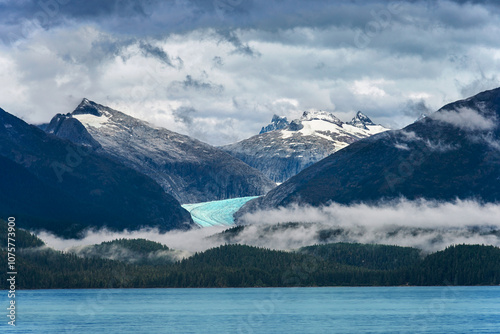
x=403 y=147
x=424 y=53
x=427 y=225
x=440 y=146
x=191 y=241
x=369 y=87
x=466 y=119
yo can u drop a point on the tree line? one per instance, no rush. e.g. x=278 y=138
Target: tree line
x=339 y=264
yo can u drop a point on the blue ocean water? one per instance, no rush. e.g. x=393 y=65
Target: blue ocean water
x=260 y=310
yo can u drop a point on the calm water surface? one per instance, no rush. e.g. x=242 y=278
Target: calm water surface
x=281 y=310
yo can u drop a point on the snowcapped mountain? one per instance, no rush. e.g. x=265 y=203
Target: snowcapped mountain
x=52 y=184
x=451 y=154
x=277 y=123
x=186 y=168
x=283 y=148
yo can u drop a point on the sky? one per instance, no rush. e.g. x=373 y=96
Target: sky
x=219 y=69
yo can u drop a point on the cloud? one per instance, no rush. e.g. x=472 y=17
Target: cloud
x=427 y=225
x=218 y=61
x=184 y=115
x=480 y=84
x=116 y=252
x=190 y=83
x=409 y=136
x=417 y=108
x=189 y=241
x=149 y=58
x=156 y=52
x=403 y=147
x=233 y=39
x=465 y=119
x=439 y=146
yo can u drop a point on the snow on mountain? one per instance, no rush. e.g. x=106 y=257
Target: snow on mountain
x=281 y=153
x=186 y=168
x=52 y=184
x=452 y=154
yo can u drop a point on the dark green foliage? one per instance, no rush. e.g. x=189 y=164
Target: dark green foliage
x=459 y=265
x=246 y=266
x=380 y=257
x=141 y=246
x=132 y=251
x=23 y=239
x=338 y=264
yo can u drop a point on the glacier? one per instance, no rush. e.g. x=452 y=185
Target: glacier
x=216 y=213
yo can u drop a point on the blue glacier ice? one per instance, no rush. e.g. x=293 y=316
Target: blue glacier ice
x=216 y=213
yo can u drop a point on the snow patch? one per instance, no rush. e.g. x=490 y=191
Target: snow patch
x=92 y=120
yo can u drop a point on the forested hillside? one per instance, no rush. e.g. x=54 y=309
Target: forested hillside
x=245 y=266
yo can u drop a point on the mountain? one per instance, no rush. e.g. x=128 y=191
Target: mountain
x=186 y=168
x=52 y=184
x=277 y=123
x=283 y=149
x=453 y=153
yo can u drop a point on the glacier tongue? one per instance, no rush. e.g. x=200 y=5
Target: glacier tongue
x=216 y=213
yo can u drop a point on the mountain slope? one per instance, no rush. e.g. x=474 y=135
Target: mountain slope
x=453 y=153
x=186 y=168
x=52 y=184
x=283 y=149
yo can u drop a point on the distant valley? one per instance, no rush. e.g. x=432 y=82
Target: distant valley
x=186 y=168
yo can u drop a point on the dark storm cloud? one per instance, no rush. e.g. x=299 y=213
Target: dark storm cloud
x=105 y=48
x=480 y=84
x=184 y=115
x=159 y=53
x=237 y=62
x=191 y=83
x=88 y=9
x=241 y=48
x=416 y=109
x=135 y=17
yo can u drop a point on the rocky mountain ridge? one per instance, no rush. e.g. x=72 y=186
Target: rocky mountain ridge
x=283 y=148
x=186 y=168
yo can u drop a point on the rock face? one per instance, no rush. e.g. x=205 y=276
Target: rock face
x=53 y=184
x=453 y=153
x=283 y=149
x=277 y=123
x=186 y=168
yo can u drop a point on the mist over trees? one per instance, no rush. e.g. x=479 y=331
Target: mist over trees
x=340 y=264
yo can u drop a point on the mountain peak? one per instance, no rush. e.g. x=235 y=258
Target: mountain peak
x=320 y=115
x=361 y=120
x=277 y=123
x=87 y=107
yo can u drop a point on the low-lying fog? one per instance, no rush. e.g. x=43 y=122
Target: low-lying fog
x=428 y=225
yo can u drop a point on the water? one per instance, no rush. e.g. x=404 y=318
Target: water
x=216 y=213
x=281 y=310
